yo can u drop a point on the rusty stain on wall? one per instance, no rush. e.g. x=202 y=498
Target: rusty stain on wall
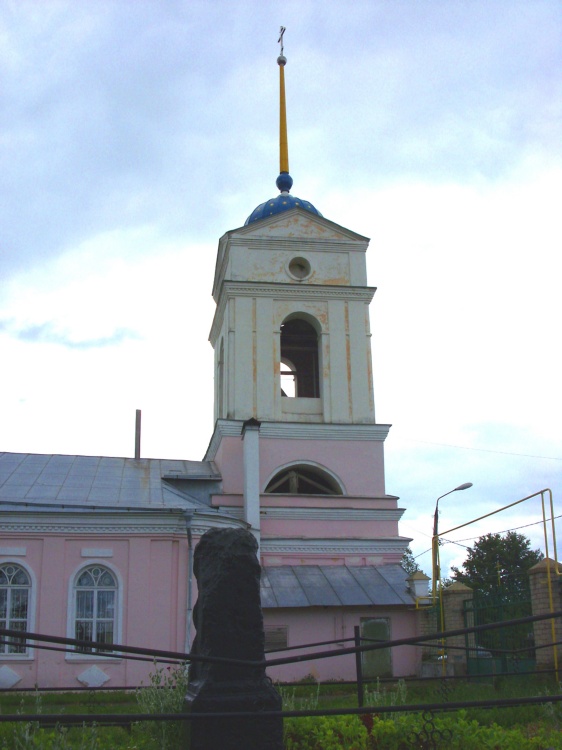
x=348 y=359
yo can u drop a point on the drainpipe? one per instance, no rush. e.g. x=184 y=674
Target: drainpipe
x=251 y=438
x=189 y=611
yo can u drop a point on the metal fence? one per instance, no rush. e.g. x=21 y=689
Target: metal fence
x=360 y=646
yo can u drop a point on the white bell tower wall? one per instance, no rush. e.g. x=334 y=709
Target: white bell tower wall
x=294 y=266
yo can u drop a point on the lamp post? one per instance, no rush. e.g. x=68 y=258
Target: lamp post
x=435 y=539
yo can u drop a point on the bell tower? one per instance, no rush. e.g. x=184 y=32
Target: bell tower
x=294 y=401
x=291 y=331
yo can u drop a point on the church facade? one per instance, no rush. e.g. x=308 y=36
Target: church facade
x=101 y=548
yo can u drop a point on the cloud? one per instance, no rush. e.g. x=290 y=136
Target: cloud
x=48 y=333
x=119 y=119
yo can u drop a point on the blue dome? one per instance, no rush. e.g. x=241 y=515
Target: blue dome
x=283 y=202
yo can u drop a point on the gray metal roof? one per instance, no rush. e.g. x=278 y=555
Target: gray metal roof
x=334 y=586
x=101 y=481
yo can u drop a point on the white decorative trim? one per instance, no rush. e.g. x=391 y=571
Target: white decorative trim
x=320 y=431
x=298 y=431
x=334 y=546
x=200 y=529
x=95 y=552
x=285 y=290
x=90 y=525
x=8 y=678
x=296 y=244
x=282 y=291
x=325 y=514
x=89 y=528
x=93 y=677
x=13 y=551
x=287 y=218
x=98 y=522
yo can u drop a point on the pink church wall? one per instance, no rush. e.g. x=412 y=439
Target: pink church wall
x=332 y=623
x=152 y=576
x=313 y=529
x=230 y=455
x=359 y=464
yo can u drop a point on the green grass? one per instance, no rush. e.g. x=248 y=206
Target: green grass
x=527 y=722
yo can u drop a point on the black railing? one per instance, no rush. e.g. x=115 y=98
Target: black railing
x=361 y=645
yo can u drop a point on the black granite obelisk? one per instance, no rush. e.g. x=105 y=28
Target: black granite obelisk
x=229 y=624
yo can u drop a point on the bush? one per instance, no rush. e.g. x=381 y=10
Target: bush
x=325 y=733
x=165 y=695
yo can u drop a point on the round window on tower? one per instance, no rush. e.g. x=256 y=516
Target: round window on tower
x=299 y=268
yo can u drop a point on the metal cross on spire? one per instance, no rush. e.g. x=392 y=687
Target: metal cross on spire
x=280 y=40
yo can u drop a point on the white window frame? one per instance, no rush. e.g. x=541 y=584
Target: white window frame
x=29 y=653
x=71 y=610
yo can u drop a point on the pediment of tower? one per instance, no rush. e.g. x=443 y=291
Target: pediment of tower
x=298 y=224
x=296 y=229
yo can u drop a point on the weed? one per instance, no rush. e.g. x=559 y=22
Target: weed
x=292 y=702
x=164 y=695
x=381 y=696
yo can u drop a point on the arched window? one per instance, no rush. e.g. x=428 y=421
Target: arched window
x=15 y=593
x=95 y=607
x=299 y=359
x=303 y=479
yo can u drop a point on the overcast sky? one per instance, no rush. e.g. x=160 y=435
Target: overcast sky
x=134 y=134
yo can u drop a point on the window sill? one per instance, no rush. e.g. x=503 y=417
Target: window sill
x=16 y=657
x=82 y=658
x=301 y=405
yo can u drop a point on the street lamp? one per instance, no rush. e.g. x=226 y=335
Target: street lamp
x=435 y=539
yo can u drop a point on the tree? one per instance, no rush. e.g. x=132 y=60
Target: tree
x=409 y=563
x=498 y=566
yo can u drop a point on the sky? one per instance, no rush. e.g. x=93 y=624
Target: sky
x=134 y=134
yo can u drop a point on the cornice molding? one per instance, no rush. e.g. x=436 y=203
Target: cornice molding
x=90 y=529
x=291 y=221
x=323 y=514
x=298 y=431
x=334 y=546
x=116 y=524
x=283 y=291
x=307 y=244
x=286 y=290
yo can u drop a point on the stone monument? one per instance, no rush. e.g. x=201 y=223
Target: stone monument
x=229 y=624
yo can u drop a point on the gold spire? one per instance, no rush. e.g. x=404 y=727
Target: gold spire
x=283 y=143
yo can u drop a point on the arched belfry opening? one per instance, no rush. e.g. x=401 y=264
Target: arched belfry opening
x=303 y=479
x=299 y=359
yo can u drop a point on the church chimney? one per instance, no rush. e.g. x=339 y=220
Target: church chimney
x=137 y=433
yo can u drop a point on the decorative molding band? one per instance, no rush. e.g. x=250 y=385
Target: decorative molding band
x=298 y=431
x=292 y=244
x=90 y=525
x=323 y=514
x=283 y=291
x=323 y=431
x=287 y=220
x=334 y=546
x=90 y=529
